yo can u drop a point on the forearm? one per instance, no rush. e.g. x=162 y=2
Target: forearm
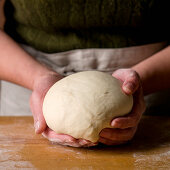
x=155 y=71
x=16 y=65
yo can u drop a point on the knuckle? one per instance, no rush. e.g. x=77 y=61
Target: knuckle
x=131 y=133
x=132 y=122
x=136 y=120
x=134 y=81
x=132 y=74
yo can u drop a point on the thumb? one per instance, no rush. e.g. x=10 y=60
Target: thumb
x=36 y=108
x=130 y=79
x=131 y=83
x=129 y=87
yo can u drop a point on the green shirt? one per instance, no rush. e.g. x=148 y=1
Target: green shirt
x=61 y=25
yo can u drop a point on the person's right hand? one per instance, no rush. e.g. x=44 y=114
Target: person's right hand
x=41 y=86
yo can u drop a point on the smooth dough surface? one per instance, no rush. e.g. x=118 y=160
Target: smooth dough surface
x=84 y=103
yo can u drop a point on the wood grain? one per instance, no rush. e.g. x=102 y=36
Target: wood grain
x=21 y=148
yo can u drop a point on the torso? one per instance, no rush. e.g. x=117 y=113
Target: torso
x=55 y=26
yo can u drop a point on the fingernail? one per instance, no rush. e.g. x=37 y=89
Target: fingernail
x=113 y=123
x=37 y=126
x=128 y=88
x=83 y=142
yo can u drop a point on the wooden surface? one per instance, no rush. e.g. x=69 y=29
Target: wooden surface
x=21 y=148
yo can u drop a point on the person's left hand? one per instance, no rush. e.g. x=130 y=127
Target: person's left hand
x=124 y=128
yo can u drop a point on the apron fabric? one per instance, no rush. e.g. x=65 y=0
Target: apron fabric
x=14 y=99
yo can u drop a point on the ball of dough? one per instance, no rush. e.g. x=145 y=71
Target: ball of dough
x=84 y=103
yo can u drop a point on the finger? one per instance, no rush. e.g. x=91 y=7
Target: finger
x=118 y=134
x=64 y=139
x=110 y=142
x=133 y=118
x=75 y=143
x=86 y=143
x=130 y=79
x=61 y=139
x=36 y=108
x=131 y=84
x=50 y=134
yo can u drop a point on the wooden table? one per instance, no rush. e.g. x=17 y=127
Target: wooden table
x=21 y=148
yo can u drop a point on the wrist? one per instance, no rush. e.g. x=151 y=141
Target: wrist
x=42 y=76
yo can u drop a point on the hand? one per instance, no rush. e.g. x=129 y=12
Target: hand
x=125 y=127
x=41 y=86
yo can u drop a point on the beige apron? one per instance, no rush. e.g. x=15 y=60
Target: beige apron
x=14 y=99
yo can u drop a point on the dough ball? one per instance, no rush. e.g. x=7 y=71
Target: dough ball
x=84 y=103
